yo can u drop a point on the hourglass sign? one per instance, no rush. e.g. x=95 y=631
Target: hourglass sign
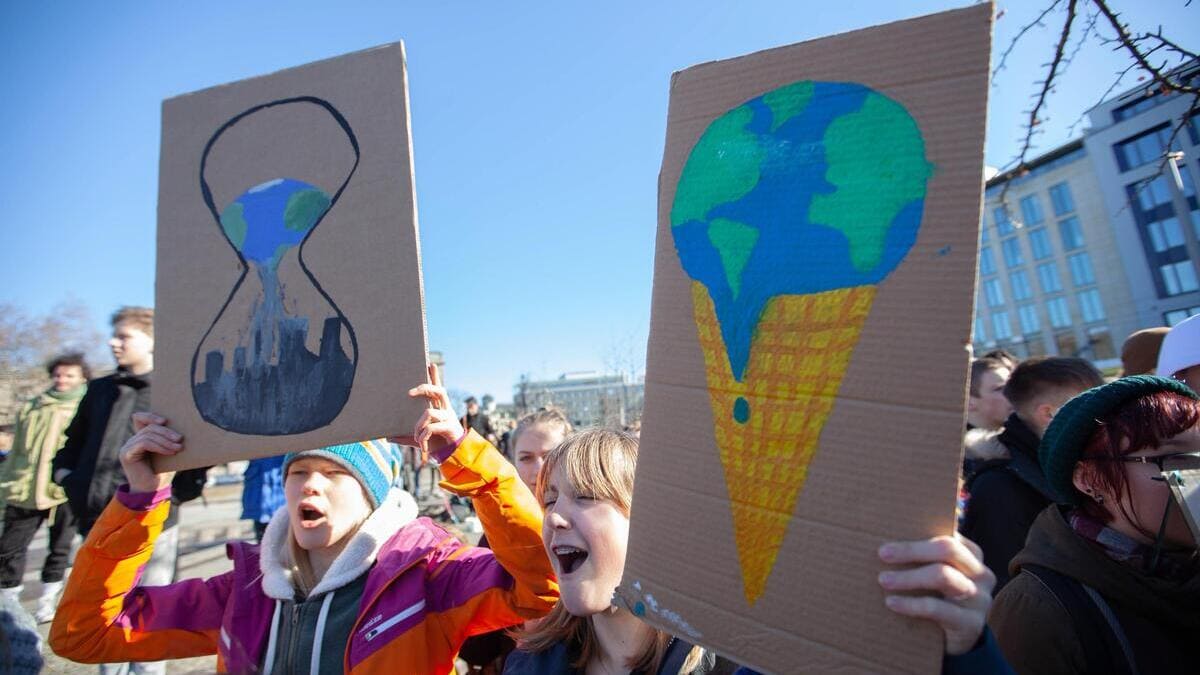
x=280 y=356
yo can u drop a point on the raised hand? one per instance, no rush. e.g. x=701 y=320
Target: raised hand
x=954 y=586
x=151 y=437
x=438 y=426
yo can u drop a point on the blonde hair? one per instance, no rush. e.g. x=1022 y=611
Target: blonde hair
x=141 y=318
x=550 y=417
x=600 y=463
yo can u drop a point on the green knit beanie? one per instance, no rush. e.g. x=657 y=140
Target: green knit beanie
x=1073 y=424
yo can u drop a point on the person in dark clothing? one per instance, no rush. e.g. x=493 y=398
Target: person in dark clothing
x=478 y=420
x=88 y=467
x=1006 y=495
x=1109 y=579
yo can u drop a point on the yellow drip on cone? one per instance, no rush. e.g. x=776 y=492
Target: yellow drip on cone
x=798 y=355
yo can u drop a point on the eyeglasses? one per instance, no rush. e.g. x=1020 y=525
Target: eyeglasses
x=1173 y=462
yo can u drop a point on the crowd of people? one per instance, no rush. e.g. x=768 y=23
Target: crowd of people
x=1072 y=556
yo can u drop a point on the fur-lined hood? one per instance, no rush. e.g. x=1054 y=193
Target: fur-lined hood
x=984 y=444
x=397 y=510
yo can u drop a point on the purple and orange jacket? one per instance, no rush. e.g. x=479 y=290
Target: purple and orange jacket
x=424 y=595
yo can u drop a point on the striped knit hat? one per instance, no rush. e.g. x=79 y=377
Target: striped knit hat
x=373 y=463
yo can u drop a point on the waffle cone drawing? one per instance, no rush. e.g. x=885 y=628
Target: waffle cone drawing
x=767 y=425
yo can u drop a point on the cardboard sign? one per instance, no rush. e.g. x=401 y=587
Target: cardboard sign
x=814 y=277
x=1185 y=489
x=289 y=299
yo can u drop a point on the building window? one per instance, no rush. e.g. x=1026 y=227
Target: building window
x=1012 y=252
x=1102 y=346
x=1048 y=277
x=1153 y=194
x=1067 y=344
x=1039 y=241
x=1072 y=233
x=987 y=262
x=1004 y=224
x=1060 y=314
x=1141 y=105
x=993 y=292
x=1090 y=306
x=1175 y=316
x=1031 y=210
x=1165 y=234
x=1179 y=277
x=1021 y=288
x=1034 y=345
x=1029 y=319
x=1000 y=325
x=980 y=333
x=1081 y=269
x=1143 y=148
x=1060 y=199
x=1185 y=177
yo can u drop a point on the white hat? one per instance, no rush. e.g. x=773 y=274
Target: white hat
x=1180 y=348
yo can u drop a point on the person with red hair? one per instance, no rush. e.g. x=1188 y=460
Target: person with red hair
x=1109 y=579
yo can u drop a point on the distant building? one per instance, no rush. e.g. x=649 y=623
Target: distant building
x=1158 y=246
x=1050 y=275
x=588 y=398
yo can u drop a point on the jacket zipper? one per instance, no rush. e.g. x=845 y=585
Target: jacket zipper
x=292 y=640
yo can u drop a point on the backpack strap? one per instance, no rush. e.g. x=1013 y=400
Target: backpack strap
x=1105 y=646
x=1114 y=625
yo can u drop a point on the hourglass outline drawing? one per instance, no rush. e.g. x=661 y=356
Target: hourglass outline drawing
x=245 y=414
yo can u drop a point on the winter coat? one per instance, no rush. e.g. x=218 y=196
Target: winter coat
x=94 y=438
x=423 y=595
x=1006 y=496
x=37 y=435
x=262 y=489
x=1160 y=617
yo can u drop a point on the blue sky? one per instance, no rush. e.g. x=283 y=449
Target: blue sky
x=538 y=131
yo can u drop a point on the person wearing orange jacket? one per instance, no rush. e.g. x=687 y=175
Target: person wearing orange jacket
x=348 y=579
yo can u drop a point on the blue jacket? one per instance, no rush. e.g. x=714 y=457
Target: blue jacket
x=262 y=489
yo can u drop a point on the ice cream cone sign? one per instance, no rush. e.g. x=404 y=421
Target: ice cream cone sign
x=790 y=209
x=810 y=328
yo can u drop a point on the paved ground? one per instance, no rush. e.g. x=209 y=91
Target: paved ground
x=206 y=527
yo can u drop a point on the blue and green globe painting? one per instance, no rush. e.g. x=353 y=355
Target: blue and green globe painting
x=811 y=187
x=269 y=219
x=274 y=385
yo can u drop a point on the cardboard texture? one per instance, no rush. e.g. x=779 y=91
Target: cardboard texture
x=1185 y=489
x=819 y=207
x=288 y=293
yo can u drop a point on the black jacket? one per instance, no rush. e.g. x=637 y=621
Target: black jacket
x=94 y=438
x=1006 y=496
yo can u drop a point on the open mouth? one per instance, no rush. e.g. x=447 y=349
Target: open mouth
x=569 y=558
x=310 y=516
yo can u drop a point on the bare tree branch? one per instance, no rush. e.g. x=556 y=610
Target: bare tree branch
x=1021 y=33
x=1131 y=45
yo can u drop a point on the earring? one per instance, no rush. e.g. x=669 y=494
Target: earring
x=1099 y=498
